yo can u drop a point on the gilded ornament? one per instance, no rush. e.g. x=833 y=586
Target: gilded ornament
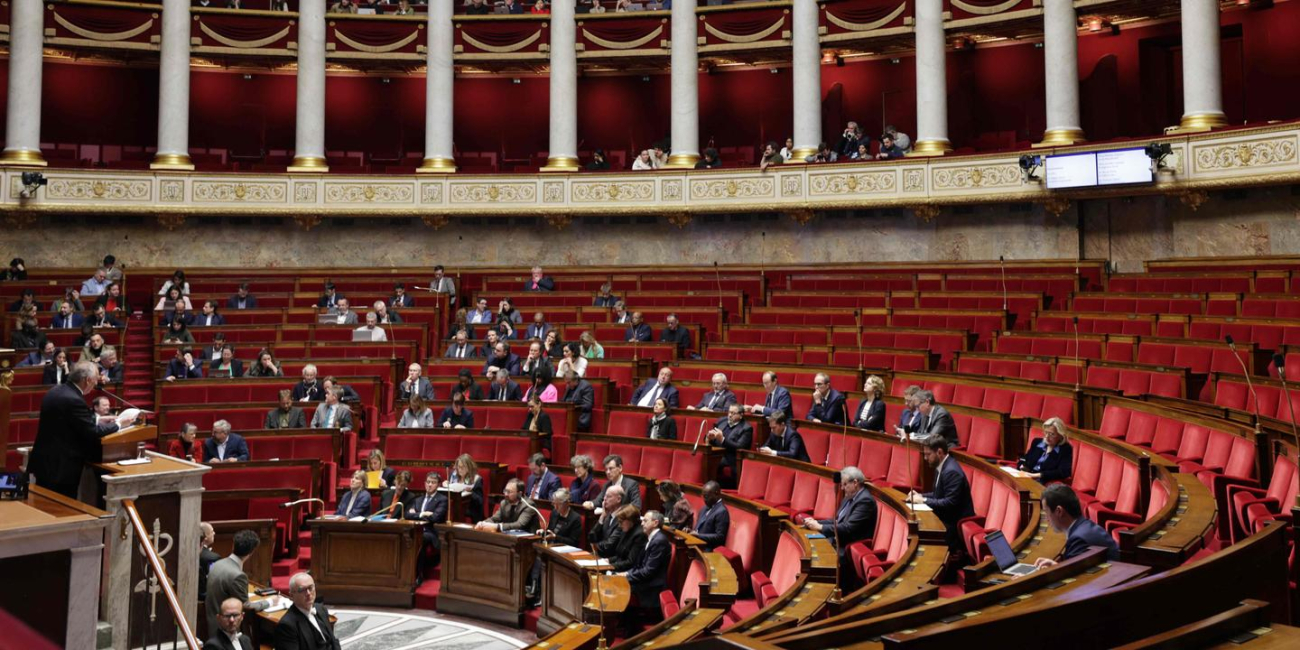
x=436 y=221
x=307 y=221
x=679 y=219
x=240 y=191
x=494 y=193
x=1193 y=199
x=801 y=217
x=171 y=221
x=559 y=221
x=926 y=212
x=98 y=189
x=1056 y=205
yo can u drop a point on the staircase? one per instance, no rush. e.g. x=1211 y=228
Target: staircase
x=138 y=372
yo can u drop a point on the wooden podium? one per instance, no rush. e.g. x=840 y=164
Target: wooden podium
x=365 y=562
x=125 y=443
x=569 y=593
x=484 y=573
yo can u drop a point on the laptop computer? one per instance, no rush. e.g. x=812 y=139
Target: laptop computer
x=1005 y=557
x=364 y=335
x=328 y=319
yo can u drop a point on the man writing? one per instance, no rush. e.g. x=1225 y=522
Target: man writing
x=227 y=580
x=224 y=446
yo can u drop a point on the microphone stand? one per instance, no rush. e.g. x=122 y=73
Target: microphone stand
x=302 y=501
x=542 y=531
x=1003 y=263
x=698 y=436
x=1077 y=370
x=1280 y=362
x=1249 y=384
x=718 y=275
x=600 y=600
x=860 y=362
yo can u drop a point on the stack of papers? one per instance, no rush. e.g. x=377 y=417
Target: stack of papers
x=1014 y=472
x=594 y=564
x=566 y=549
x=921 y=507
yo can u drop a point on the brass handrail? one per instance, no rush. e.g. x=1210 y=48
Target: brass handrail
x=142 y=538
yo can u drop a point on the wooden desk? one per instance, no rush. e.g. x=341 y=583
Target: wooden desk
x=569 y=593
x=261 y=627
x=484 y=573
x=574 y=636
x=365 y=563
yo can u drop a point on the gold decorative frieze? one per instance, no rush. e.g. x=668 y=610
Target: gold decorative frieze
x=791 y=186
x=802 y=216
x=1193 y=199
x=436 y=221
x=171 y=221
x=679 y=219
x=981 y=177
x=307 y=221
x=494 y=193
x=913 y=180
x=1056 y=205
x=670 y=190
x=240 y=192
x=369 y=193
x=1267 y=152
x=304 y=192
x=838 y=184
x=605 y=192
x=553 y=192
x=171 y=191
x=926 y=213
x=559 y=221
x=733 y=188
x=431 y=193
x=92 y=189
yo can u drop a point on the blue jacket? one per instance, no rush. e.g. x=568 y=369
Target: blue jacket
x=669 y=393
x=875 y=419
x=235 y=448
x=789 y=445
x=779 y=400
x=831 y=410
x=712 y=525
x=358 y=506
x=855 y=520
x=951 y=500
x=177 y=368
x=638 y=333
x=1056 y=466
x=550 y=483
x=738 y=436
x=1084 y=533
x=201 y=320
x=71 y=321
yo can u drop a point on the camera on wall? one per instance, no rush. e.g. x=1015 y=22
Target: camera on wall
x=1158 y=152
x=1030 y=166
x=32 y=181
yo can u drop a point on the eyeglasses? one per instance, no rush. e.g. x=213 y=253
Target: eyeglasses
x=230 y=617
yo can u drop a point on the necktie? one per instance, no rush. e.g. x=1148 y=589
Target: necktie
x=769 y=399
x=713 y=400
x=329 y=418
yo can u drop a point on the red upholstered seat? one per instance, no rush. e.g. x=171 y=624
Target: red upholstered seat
x=742 y=539
x=753 y=481
x=784 y=571
x=668 y=603
x=1252 y=506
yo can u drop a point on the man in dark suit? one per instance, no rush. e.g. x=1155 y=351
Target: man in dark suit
x=242 y=299
x=400 y=299
x=226 y=579
x=229 y=618
x=207 y=556
x=784 y=441
x=579 y=393
x=637 y=330
x=854 y=521
x=714 y=520
x=828 y=403
x=675 y=333
x=731 y=433
x=607 y=534
x=937 y=421
x=650 y=574
x=431 y=508
x=614 y=476
x=305 y=625
x=538 y=328
x=718 y=399
x=330 y=298
x=460 y=347
x=287 y=416
x=778 y=399
x=504 y=389
x=1065 y=514
x=66 y=318
x=950 y=500
x=565 y=527
x=911 y=418
x=502 y=357
x=652 y=389
x=224 y=446
x=209 y=317
x=414 y=383
x=541 y=481
x=539 y=281
x=66 y=436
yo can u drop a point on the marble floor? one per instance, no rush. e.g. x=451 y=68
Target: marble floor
x=416 y=630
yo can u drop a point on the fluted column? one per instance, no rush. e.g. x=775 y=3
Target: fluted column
x=685 y=87
x=174 y=88
x=1061 y=58
x=438 y=88
x=931 y=81
x=806 y=59
x=1202 y=74
x=309 y=140
x=563 y=153
x=23 y=124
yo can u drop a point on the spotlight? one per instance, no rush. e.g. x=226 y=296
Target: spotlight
x=32 y=181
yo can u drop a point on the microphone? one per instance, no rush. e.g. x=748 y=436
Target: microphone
x=129 y=405
x=386 y=511
x=718 y=275
x=1003 y=263
x=542 y=530
x=1077 y=371
x=1249 y=384
x=300 y=502
x=1280 y=362
x=698 y=436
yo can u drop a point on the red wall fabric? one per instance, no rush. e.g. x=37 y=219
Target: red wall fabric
x=1131 y=87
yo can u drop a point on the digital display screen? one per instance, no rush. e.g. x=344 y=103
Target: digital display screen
x=1072 y=170
x=1123 y=167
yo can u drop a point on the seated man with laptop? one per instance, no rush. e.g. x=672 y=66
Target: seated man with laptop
x=1065 y=514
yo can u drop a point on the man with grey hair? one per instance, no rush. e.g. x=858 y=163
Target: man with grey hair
x=718 y=399
x=649 y=575
x=224 y=446
x=607 y=534
x=565 y=528
x=332 y=414
x=308 y=390
x=305 y=624
x=855 y=519
x=372 y=330
x=935 y=419
x=539 y=281
x=828 y=403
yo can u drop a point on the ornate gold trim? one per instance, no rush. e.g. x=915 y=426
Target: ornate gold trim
x=501 y=49
x=682 y=161
x=1199 y=123
x=984 y=11
x=561 y=164
x=172 y=161
x=376 y=49
x=864 y=27
x=243 y=45
x=308 y=165
x=22 y=158
x=780 y=22
x=437 y=166
x=924 y=148
x=800 y=154
x=626 y=45
x=1061 y=138
x=103 y=36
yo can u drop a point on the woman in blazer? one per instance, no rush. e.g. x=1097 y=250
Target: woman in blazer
x=465 y=473
x=871 y=411
x=661 y=426
x=1051 y=458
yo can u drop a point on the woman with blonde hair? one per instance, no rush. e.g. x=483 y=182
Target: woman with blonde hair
x=871 y=411
x=591 y=348
x=376 y=462
x=465 y=477
x=1051 y=458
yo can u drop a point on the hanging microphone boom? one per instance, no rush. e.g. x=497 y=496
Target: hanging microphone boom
x=1003 y=263
x=1280 y=362
x=718 y=275
x=542 y=530
x=1077 y=371
x=1249 y=384
x=698 y=436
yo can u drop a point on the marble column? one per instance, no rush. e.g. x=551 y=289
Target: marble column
x=23 y=124
x=931 y=81
x=174 y=89
x=1202 y=73
x=84 y=570
x=438 y=89
x=684 y=68
x=309 y=141
x=563 y=149
x=806 y=59
x=1061 y=58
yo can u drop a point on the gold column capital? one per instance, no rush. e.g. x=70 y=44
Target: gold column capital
x=437 y=166
x=308 y=165
x=22 y=158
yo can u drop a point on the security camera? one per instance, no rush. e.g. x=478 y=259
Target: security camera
x=1030 y=165
x=32 y=181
